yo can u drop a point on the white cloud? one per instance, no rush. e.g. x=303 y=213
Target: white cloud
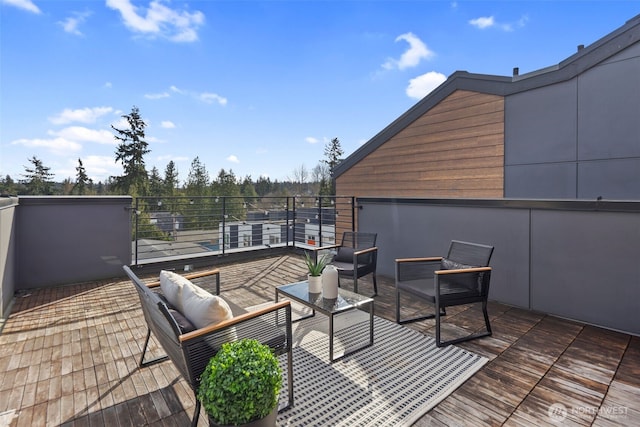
x=210 y=98
x=27 y=5
x=157 y=95
x=71 y=24
x=84 y=115
x=108 y=85
x=206 y=97
x=79 y=133
x=311 y=140
x=59 y=146
x=422 y=85
x=159 y=20
x=233 y=159
x=416 y=52
x=167 y=124
x=485 y=22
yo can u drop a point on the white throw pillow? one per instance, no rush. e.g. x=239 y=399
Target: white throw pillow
x=172 y=284
x=203 y=308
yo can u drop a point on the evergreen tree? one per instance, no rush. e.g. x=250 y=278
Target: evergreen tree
x=263 y=186
x=83 y=182
x=333 y=153
x=38 y=179
x=248 y=190
x=130 y=152
x=8 y=186
x=156 y=184
x=170 y=181
x=198 y=179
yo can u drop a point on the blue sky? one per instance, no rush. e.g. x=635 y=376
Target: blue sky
x=257 y=87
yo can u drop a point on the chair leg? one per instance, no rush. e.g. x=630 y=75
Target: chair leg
x=468 y=337
x=144 y=350
x=443 y=312
x=196 y=414
x=375 y=285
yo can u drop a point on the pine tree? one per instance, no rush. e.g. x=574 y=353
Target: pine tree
x=333 y=153
x=38 y=179
x=170 y=181
x=82 y=180
x=130 y=152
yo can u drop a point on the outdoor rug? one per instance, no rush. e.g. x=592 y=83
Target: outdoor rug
x=393 y=383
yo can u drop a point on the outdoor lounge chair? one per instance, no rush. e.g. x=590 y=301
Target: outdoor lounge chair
x=462 y=277
x=190 y=349
x=356 y=256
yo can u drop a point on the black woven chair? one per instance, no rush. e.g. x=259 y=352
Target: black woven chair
x=191 y=351
x=462 y=277
x=356 y=256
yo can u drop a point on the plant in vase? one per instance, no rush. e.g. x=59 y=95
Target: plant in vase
x=315 y=267
x=241 y=385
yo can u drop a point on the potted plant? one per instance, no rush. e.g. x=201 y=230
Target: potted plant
x=315 y=267
x=241 y=384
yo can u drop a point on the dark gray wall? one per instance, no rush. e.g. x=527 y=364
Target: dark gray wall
x=71 y=239
x=579 y=138
x=577 y=260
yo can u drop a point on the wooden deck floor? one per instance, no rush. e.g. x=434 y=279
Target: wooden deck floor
x=68 y=356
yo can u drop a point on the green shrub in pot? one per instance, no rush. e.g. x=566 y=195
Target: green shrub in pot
x=241 y=383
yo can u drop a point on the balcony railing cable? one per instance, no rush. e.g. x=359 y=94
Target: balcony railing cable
x=188 y=227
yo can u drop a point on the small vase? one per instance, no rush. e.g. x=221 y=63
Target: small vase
x=330 y=282
x=315 y=284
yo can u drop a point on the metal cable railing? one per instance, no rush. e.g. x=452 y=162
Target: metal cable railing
x=189 y=227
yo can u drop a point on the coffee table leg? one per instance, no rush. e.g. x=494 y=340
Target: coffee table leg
x=331 y=337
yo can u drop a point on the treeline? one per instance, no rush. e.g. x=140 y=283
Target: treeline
x=137 y=181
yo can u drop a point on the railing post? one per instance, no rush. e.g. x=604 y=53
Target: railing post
x=136 y=216
x=319 y=204
x=224 y=224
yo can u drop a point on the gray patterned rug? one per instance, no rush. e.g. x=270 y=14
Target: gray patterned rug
x=393 y=383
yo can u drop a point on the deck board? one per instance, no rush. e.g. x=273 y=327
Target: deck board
x=69 y=356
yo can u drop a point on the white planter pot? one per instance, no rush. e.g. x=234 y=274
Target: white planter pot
x=315 y=284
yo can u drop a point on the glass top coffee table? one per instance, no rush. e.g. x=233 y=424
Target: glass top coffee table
x=346 y=301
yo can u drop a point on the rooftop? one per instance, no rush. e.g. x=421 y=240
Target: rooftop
x=69 y=356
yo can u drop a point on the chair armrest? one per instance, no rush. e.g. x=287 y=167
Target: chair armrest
x=463 y=270
x=428 y=259
x=210 y=330
x=364 y=251
x=322 y=248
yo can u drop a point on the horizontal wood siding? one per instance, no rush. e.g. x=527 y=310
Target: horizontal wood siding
x=456 y=150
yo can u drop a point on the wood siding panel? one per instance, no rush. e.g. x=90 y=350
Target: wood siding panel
x=454 y=150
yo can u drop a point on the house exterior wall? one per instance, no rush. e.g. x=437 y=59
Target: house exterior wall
x=456 y=149
x=8 y=207
x=578 y=139
x=573 y=259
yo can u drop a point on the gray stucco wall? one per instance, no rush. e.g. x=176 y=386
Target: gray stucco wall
x=8 y=207
x=577 y=260
x=71 y=239
x=579 y=138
